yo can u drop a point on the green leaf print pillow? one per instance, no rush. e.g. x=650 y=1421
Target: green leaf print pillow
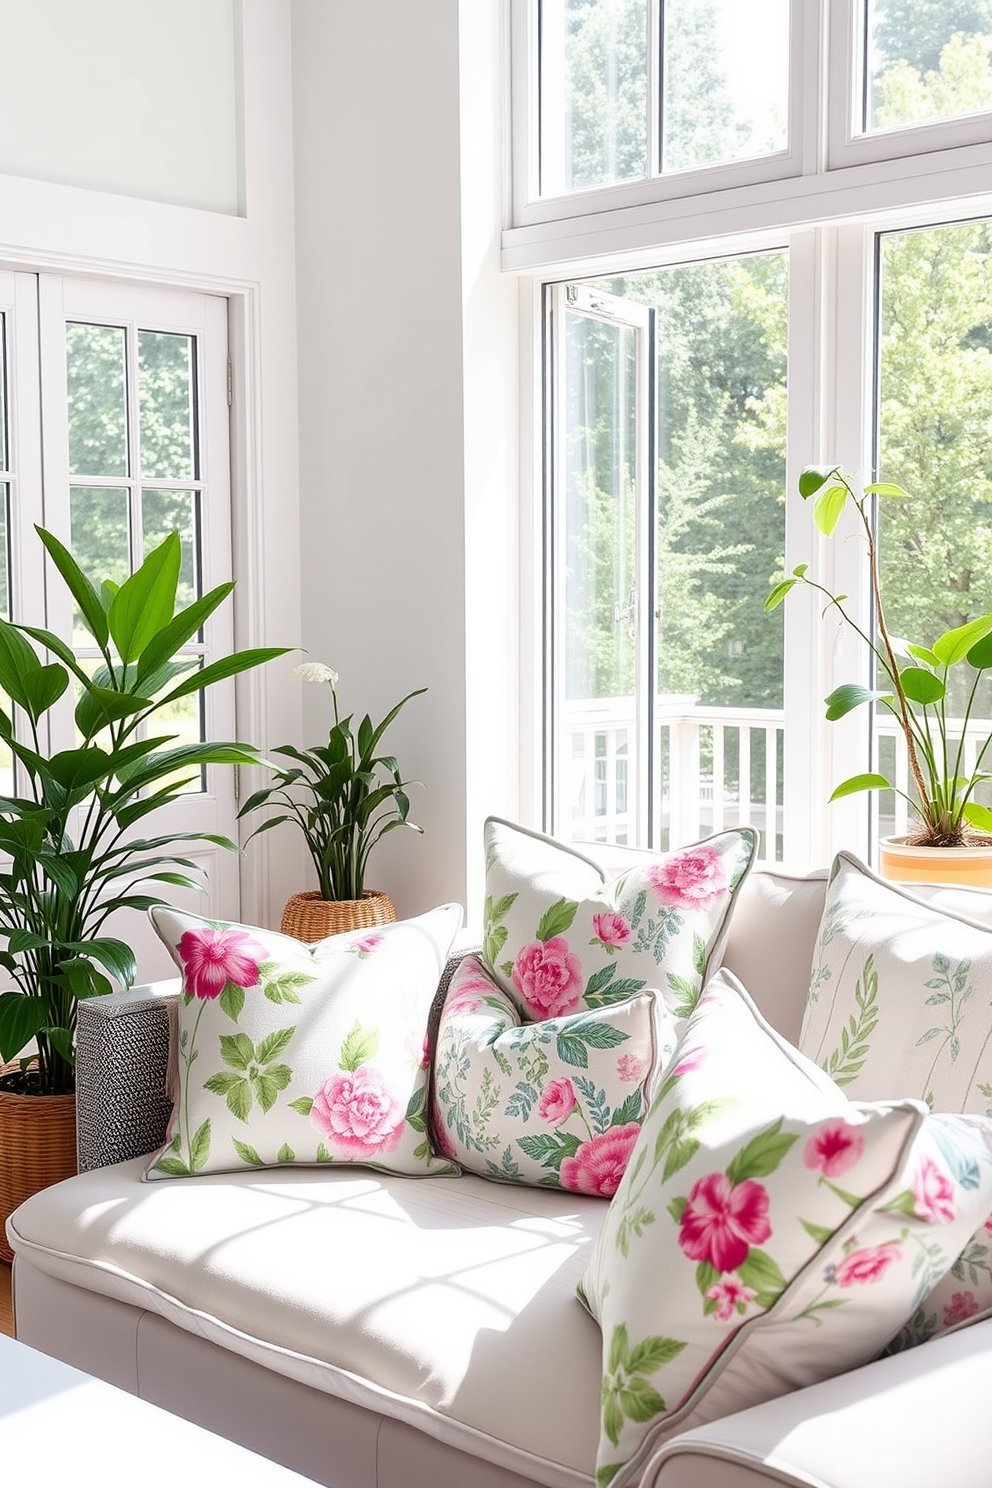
x=900 y=1000
x=767 y=1232
x=559 y=936
x=289 y=1053
x=557 y=1103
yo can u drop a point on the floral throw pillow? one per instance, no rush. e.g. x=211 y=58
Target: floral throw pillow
x=767 y=1232
x=557 y=1103
x=900 y=1001
x=559 y=937
x=290 y=1053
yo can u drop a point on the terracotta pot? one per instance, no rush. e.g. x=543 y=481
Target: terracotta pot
x=309 y=917
x=969 y=866
x=37 y=1148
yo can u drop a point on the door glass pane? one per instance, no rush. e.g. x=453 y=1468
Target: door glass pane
x=95 y=371
x=935 y=439
x=100 y=529
x=927 y=59
x=167 y=404
x=726 y=81
x=597 y=628
x=720 y=535
x=165 y=511
x=594 y=67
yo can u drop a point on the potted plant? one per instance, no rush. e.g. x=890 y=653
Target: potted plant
x=70 y=831
x=344 y=797
x=913 y=684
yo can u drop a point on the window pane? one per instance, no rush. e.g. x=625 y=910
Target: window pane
x=95 y=370
x=593 y=93
x=167 y=403
x=927 y=59
x=726 y=81
x=4 y=551
x=935 y=439
x=596 y=739
x=100 y=527
x=183 y=719
x=720 y=533
x=165 y=511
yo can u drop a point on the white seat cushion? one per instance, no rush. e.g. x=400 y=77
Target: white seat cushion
x=449 y=1303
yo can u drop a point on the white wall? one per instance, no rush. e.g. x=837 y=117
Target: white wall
x=407 y=344
x=250 y=261
x=149 y=89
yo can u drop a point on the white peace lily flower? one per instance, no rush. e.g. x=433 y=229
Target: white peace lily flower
x=316 y=671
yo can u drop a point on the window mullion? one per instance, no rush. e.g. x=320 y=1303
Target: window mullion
x=655 y=85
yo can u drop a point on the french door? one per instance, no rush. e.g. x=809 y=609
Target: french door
x=113 y=432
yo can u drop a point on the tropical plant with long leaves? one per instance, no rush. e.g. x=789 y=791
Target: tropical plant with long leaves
x=343 y=795
x=72 y=851
x=912 y=681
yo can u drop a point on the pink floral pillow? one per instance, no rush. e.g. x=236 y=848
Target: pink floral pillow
x=289 y=1053
x=767 y=1232
x=559 y=937
x=557 y=1103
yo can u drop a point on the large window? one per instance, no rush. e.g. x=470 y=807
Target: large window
x=832 y=303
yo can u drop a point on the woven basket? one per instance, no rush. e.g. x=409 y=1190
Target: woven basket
x=311 y=918
x=37 y=1147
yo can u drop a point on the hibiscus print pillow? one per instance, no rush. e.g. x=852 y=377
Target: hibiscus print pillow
x=767 y=1232
x=289 y=1053
x=559 y=937
x=557 y=1103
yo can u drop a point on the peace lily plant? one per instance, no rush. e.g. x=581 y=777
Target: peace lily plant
x=70 y=857
x=343 y=795
x=914 y=681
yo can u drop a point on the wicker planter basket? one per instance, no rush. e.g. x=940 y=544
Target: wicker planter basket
x=311 y=918
x=37 y=1147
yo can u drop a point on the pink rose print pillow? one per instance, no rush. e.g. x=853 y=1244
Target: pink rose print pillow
x=289 y=1053
x=559 y=937
x=557 y=1103
x=767 y=1232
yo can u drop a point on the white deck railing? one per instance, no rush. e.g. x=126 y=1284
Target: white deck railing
x=712 y=766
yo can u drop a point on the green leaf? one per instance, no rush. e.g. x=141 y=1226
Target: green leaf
x=955 y=644
x=827 y=508
x=304 y=1105
x=270 y=1082
x=763 y=1275
x=18 y=663
x=557 y=919
x=21 y=1018
x=199 y=1147
x=980 y=655
x=186 y=624
x=640 y=1401
x=619 y=1348
x=860 y=783
x=921 y=686
x=174 y=1166
x=978 y=816
x=820 y=1233
x=648 y=1356
x=145 y=602
x=219 y=671
x=100 y=706
x=358 y=1047
x=273 y=1045
x=777 y=593
x=845 y=699
x=885 y=488
x=79 y=586
x=237 y=1050
x=239 y=1099
x=813 y=477
x=223 y=1082
x=762 y=1155
x=232 y=1000
x=247 y=1154
x=572 y=1050
x=285 y=1154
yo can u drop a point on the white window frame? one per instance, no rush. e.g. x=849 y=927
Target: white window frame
x=827 y=218
x=531 y=208
x=848 y=145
